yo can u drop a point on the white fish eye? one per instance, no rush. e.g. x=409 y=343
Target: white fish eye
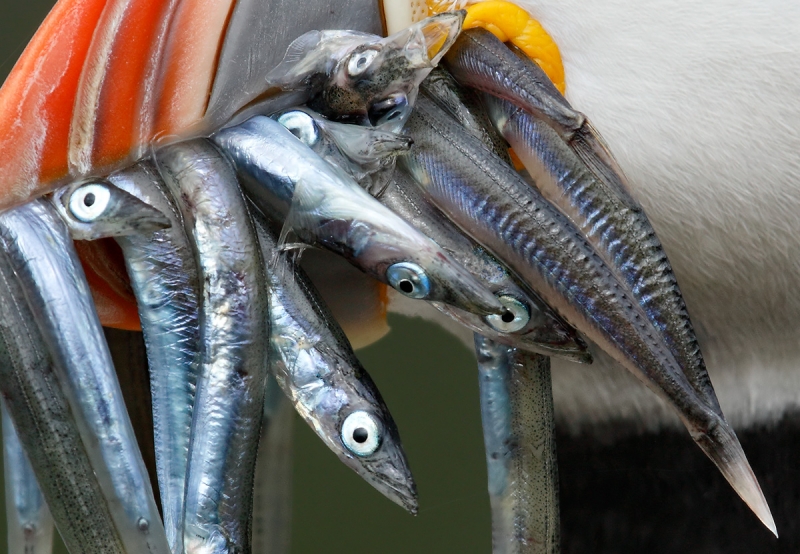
x=360 y=61
x=515 y=316
x=361 y=433
x=409 y=279
x=301 y=125
x=88 y=202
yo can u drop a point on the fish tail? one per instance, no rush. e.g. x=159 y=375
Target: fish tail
x=721 y=445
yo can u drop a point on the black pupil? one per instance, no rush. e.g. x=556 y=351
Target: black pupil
x=360 y=435
x=393 y=115
x=507 y=317
x=406 y=286
x=361 y=61
x=89 y=199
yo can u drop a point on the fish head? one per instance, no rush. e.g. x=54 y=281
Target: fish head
x=356 y=424
x=362 y=145
x=376 y=83
x=96 y=208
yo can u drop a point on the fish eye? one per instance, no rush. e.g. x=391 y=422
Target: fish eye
x=409 y=279
x=389 y=109
x=361 y=433
x=360 y=61
x=301 y=125
x=515 y=316
x=89 y=201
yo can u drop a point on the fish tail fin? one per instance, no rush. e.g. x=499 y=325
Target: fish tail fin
x=722 y=446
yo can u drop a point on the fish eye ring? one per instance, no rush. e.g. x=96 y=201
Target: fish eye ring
x=89 y=201
x=361 y=433
x=409 y=279
x=515 y=316
x=301 y=125
x=360 y=61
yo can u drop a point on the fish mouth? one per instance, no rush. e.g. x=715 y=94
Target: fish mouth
x=403 y=495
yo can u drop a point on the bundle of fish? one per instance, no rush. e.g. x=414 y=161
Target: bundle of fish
x=392 y=153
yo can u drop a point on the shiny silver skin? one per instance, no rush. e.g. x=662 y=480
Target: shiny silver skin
x=324 y=207
x=479 y=60
x=272 y=489
x=234 y=334
x=47 y=429
x=163 y=275
x=465 y=106
x=29 y=523
x=619 y=230
x=519 y=434
x=96 y=209
x=545 y=332
x=317 y=369
x=367 y=154
x=481 y=194
x=40 y=252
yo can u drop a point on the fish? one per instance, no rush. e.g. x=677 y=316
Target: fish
x=353 y=76
x=29 y=523
x=485 y=196
x=39 y=252
x=533 y=324
x=620 y=232
x=97 y=209
x=324 y=207
x=164 y=277
x=528 y=323
x=519 y=434
x=479 y=59
x=234 y=334
x=316 y=368
x=367 y=154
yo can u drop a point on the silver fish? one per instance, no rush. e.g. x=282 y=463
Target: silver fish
x=325 y=207
x=40 y=252
x=164 y=278
x=620 y=232
x=528 y=322
x=356 y=77
x=367 y=154
x=519 y=433
x=480 y=60
x=233 y=341
x=272 y=490
x=481 y=194
x=30 y=525
x=48 y=431
x=97 y=209
x=317 y=369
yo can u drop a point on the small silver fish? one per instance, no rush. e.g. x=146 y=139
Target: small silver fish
x=30 y=525
x=484 y=196
x=620 y=231
x=317 y=369
x=97 y=209
x=234 y=335
x=325 y=207
x=480 y=60
x=519 y=434
x=356 y=77
x=164 y=278
x=40 y=253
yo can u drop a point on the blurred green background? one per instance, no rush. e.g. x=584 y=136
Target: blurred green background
x=428 y=380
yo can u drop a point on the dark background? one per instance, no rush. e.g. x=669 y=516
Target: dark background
x=642 y=494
